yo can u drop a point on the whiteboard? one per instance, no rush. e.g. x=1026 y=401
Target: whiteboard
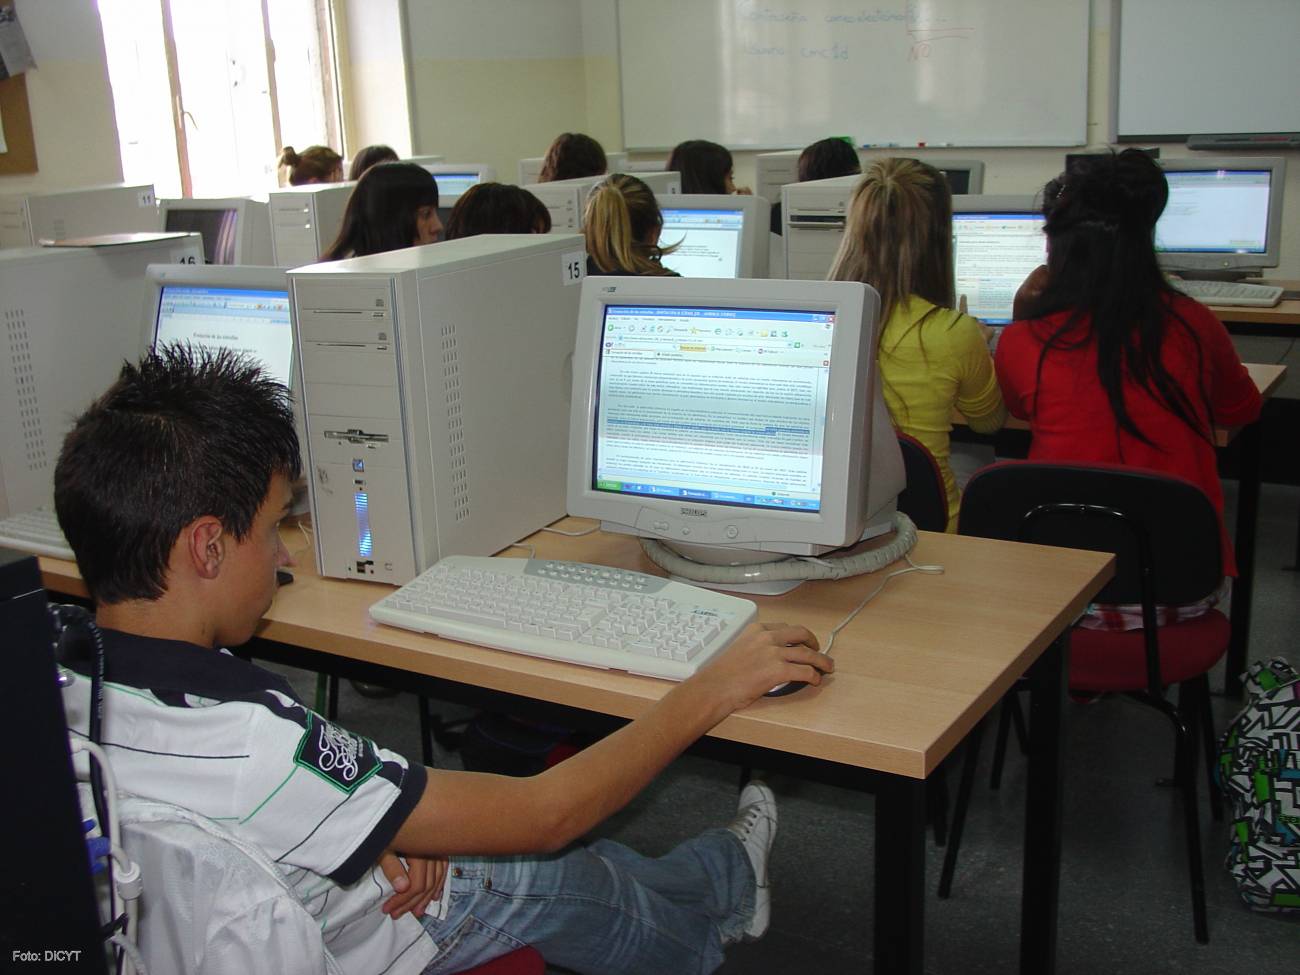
x=1202 y=67
x=767 y=75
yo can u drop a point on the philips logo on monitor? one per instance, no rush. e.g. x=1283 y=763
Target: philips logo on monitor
x=694 y=512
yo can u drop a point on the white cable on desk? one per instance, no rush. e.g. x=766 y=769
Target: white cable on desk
x=913 y=567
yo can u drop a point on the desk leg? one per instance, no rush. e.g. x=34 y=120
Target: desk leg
x=1042 y=878
x=1251 y=439
x=900 y=876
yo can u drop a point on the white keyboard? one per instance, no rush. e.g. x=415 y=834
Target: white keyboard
x=1230 y=293
x=36 y=531
x=584 y=614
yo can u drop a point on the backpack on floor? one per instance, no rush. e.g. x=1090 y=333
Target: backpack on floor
x=1259 y=772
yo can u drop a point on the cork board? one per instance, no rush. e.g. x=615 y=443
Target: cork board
x=16 y=117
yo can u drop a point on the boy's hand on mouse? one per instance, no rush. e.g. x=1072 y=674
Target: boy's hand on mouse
x=763 y=656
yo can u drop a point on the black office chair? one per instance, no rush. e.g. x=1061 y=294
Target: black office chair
x=1166 y=537
x=925 y=499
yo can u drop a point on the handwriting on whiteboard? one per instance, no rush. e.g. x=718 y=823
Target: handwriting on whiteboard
x=923 y=30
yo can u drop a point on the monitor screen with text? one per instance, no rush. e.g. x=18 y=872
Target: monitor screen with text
x=248 y=321
x=708 y=242
x=454 y=184
x=718 y=405
x=1215 y=211
x=992 y=254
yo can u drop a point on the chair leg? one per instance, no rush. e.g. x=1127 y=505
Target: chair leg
x=1210 y=742
x=1185 y=776
x=1195 y=867
x=964 y=787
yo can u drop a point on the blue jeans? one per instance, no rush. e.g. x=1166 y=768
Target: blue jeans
x=601 y=908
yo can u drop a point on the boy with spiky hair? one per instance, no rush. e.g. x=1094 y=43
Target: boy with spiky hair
x=170 y=489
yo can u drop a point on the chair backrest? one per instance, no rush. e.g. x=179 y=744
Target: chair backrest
x=212 y=904
x=925 y=499
x=1007 y=500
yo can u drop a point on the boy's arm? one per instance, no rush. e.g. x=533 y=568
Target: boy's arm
x=475 y=813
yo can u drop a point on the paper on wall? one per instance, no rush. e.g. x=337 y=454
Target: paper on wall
x=15 y=55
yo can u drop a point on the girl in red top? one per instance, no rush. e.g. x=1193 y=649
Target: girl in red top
x=1106 y=361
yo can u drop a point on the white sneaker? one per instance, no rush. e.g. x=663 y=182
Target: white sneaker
x=755 y=827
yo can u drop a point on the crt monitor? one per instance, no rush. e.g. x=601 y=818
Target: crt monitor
x=717 y=235
x=964 y=175
x=235 y=230
x=731 y=417
x=1224 y=215
x=996 y=242
x=245 y=309
x=454 y=179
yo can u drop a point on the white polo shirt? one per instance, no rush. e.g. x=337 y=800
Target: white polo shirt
x=207 y=731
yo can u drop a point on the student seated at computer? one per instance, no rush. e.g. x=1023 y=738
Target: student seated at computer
x=1106 y=361
x=170 y=489
x=824 y=159
x=497 y=208
x=315 y=164
x=706 y=167
x=933 y=358
x=394 y=205
x=622 y=224
x=573 y=155
x=370 y=156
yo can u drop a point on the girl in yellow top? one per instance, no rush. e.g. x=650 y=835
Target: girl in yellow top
x=898 y=239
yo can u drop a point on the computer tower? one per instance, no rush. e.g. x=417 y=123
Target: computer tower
x=28 y=218
x=774 y=170
x=305 y=220
x=71 y=316
x=436 y=384
x=814 y=215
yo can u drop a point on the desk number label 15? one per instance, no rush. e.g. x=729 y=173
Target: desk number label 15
x=573 y=267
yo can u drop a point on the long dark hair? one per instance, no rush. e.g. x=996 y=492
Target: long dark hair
x=1101 y=217
x=704 y=166
x=380 y=215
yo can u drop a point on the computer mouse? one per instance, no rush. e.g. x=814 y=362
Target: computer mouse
x=789 y=687
x=283 y=577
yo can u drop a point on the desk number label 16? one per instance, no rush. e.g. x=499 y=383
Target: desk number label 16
x=573 y=267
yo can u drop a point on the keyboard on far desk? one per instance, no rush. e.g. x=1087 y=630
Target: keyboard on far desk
x=1230 y=293
x=584 y=614
x=35 y=531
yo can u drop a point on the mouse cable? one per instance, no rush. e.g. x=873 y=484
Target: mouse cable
x=912 y=567
x=578 y=534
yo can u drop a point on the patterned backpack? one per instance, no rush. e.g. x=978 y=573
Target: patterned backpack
x=1259 y=772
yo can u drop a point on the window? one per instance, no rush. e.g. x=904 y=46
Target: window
x=207 y=93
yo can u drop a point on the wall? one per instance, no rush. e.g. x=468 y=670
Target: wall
x=71 y=102
x=369 y=38
x=495 y=80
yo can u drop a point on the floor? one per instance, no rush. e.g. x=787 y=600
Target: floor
x=1125 y=907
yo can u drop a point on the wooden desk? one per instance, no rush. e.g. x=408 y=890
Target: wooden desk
x=918 y=668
